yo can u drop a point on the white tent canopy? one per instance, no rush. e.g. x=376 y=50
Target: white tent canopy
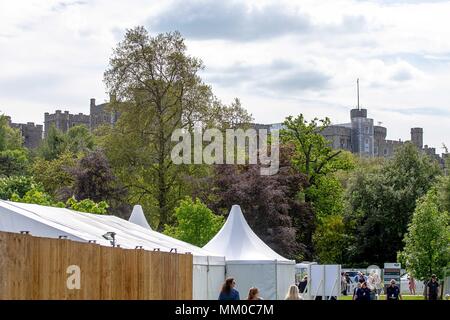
x=249 y=260
x=138 y=217
x=41 y=221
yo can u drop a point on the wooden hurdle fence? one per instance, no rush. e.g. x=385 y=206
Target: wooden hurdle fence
x=41 y=268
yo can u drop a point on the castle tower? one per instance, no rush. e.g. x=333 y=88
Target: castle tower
x=417 y=137
x=362 y=130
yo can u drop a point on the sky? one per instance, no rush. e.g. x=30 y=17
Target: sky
x=279 y=57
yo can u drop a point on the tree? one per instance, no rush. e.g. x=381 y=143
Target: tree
x=93 y=179
x=55 y=174
x=79 y=140
x=313 y=155
x=37 y=196
x=10 y=138
x=195 y=223
x=382 y=201
x=427 y=248
x=13 y=157
x=13 y=162
x=270 y=204
x=18 y=185
x=53 y=145
x=331 y=240
x=444 y=193
x=87 y=205
x=157 y=84
x=157 y=90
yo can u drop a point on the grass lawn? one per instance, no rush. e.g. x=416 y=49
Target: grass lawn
x=383 y=297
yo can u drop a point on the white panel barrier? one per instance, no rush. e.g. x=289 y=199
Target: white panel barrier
x=324 y=281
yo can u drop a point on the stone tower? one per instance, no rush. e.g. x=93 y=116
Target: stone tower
x=362 y=131
x=417 y=137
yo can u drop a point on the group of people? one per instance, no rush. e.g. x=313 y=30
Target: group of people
x=368 y=288
x=229 y=292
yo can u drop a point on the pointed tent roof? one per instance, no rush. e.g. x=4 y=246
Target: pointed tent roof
x=237 y=241
x=138 y=217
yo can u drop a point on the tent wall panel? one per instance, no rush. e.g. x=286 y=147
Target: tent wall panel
x=262 y=276
x=285 y=278
x=36 y=268
x=216 y=277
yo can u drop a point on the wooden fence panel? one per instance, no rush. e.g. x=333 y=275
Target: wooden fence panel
x=36 y=268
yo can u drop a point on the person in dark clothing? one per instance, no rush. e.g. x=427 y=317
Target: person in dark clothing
x=393 y=292
x=433 y=288
x=362 y=293
x=302 y=284
x=228 y=291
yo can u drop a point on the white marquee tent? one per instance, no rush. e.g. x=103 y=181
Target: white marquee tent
x=41 y=221
x=138 y=217
x=250 y=261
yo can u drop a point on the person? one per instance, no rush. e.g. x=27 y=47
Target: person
x=362 y=293
x=343 y=284
x=228 y=290
x=393 y=292
x=293 y=293
x=253 y=294
x=412 y=285
x=302 y=284
x=377 y=282
x=371 y=285
x=358 y=285
x=360 y=277
x=433 y=288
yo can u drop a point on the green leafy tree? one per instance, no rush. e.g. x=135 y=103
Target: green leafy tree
x=427 y=249
x=314 y=157
x=87 y=205
x=328 y=196
x=444 y=193
x=157 y=90
x=18 y=185
x=37 y=196
x=13 y=157
x=331 y=240
x=13 y=162
x=10 y=138
x=382 y=201
x=313 y=154
x=54 y=174
x=79 y=140
x=53 y=145
x=196 y=223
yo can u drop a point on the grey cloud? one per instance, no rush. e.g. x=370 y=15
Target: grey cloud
x=402 y=75
x=278 y=77
x=236 y=21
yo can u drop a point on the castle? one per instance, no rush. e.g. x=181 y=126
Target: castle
x=31 y=133
x=63 y=120
x=99 y=115
x=360 y=136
